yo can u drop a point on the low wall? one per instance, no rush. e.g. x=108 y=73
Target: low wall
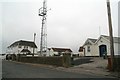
x=64 y=61
x=117 y=63
x=43 y=60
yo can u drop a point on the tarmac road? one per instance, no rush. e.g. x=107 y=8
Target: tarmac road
x=20 y=70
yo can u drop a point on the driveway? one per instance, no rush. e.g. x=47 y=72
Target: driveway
x=90 y=65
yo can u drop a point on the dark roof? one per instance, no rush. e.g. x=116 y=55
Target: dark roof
x=115 y=39
x=90 y=41
x=25 y=50
x=24 y=43
x=81 y=49
x=42 y=51
x=93 y=40
x=61 y=49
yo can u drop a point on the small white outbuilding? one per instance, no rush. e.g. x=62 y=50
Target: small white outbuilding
x=100 y=46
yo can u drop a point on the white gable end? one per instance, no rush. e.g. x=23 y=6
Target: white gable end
x=102 y=41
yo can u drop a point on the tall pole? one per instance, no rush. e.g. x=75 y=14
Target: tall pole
x=110 y=35
x=34 y=42
x=43 y=42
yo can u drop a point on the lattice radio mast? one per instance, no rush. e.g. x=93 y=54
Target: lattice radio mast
x=43 y=42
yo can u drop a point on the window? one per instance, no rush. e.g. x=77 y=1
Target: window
x=88 y=48
x=25 y=47
x=19 y=46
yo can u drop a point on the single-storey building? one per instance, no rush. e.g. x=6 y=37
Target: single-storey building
x=59 y=51
x=22 y=47
x=100 y=46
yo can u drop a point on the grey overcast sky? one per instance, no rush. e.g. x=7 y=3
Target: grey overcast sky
x=69 y=22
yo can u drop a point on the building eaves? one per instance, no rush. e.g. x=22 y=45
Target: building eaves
x=23 y=43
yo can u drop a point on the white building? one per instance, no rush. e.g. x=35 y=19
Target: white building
x=100 y=46
x=90 y=47
x=22 y=47
x=59 y=51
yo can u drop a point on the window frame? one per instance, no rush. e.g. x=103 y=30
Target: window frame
x=88 y=49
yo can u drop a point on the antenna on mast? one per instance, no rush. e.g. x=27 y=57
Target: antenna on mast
x=43 y=40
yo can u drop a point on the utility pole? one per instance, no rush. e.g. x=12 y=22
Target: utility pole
x=43 y=14
x=110 y=35
x=34 y=42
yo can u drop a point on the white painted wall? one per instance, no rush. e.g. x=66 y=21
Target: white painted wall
x=12 y=50
x=95 y=48
x=86 y=52
x=94 y=51
x=117 y=48
x=81 y=53
x=16 y=50
x=51 y=52
x=103 y=41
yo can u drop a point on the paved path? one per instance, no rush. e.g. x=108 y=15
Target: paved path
x=21 y=70
x=92 y=65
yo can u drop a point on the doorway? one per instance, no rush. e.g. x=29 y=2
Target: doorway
x=102 y=50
